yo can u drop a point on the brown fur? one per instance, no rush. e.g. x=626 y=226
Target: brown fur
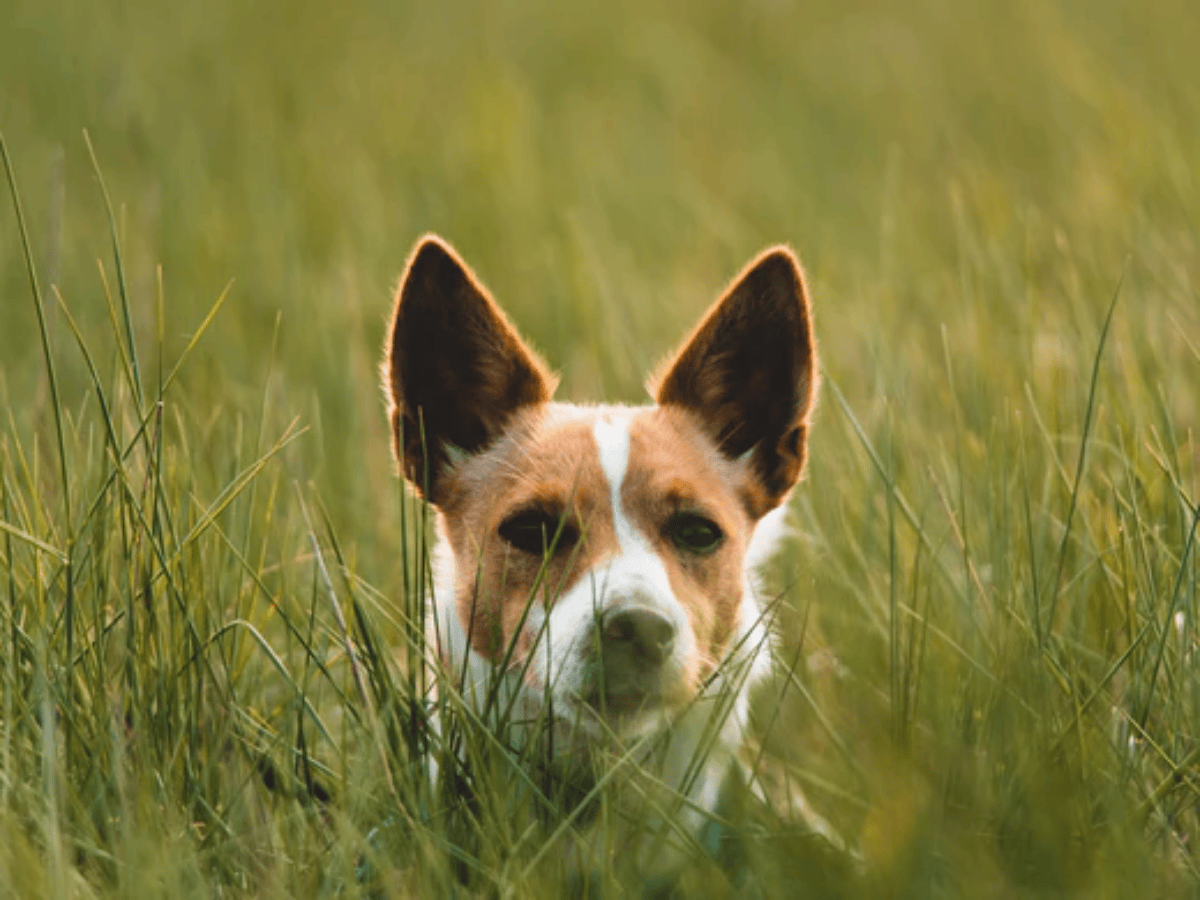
x=674 y=468
x=548 y=461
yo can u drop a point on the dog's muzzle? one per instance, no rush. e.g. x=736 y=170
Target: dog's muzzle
x=633 y=644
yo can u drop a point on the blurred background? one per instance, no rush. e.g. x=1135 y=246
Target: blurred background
x=606 y=168
x=967 y=184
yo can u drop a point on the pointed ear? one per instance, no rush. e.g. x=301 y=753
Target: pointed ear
x=748 y=373
x=456 y=370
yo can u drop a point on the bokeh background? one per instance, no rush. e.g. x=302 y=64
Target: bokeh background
x=968 y=184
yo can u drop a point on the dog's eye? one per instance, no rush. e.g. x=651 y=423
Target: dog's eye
x=695 y=533
x=537 y=532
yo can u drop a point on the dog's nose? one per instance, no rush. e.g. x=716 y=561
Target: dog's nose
x=645 y=633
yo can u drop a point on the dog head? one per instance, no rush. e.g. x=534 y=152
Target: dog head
x=600 y=551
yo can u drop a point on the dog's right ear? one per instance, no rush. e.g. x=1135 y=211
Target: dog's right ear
x=456 y=369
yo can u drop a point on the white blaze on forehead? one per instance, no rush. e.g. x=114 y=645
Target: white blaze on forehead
x=636 y=574
x=612 y=440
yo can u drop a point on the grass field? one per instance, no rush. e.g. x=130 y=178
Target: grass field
x=988 y=647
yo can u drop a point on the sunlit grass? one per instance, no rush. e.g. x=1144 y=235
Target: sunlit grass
x=210 y=577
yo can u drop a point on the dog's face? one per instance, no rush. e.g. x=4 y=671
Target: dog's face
x=601 y=551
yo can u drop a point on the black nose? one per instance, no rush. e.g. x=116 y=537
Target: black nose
x=643 y=632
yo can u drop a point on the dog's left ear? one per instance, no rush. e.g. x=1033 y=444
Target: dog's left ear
x=749 y=374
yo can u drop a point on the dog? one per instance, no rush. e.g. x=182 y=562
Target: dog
x=596 y=565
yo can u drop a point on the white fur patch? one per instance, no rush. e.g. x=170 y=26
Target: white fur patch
x=612 y=440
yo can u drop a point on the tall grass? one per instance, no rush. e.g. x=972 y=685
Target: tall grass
x=211 y=583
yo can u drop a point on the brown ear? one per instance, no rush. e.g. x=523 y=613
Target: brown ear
x=456 y=370
x=749 y=374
